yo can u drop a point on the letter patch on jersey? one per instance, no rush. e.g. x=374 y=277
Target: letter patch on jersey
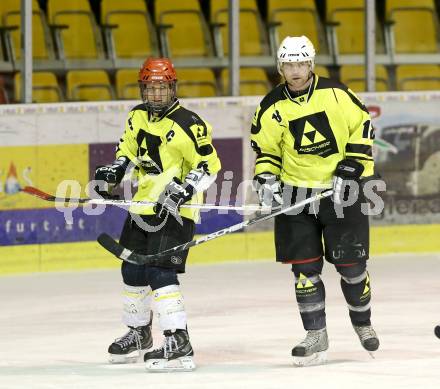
x=313 y=135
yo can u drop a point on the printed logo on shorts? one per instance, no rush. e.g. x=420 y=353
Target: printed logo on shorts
x=176 y=260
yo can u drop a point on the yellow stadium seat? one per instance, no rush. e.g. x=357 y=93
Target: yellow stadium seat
x=253 y=82
x=10 y=16
x=45 y=88
x=295 y=18
x=127 y=85
x=415 y=25
x=418 y=77
x=253 y=39
x=88 y=85
x=354 y=77
x=81 y=39
x=391 y=4
x=321 y=71
x=196 y=83
x=350 y=28
x=108 y=6
x=183 y=28
x=133 y=34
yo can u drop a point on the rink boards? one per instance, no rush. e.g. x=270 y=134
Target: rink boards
x=241 y=246
x=42 y=145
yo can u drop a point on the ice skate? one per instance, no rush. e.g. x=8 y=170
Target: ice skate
x=131 y=347
x=312 y=350
x=368 y=338
x=176 y=354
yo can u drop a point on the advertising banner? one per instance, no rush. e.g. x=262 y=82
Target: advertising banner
x=43 y=145
x=407 y=157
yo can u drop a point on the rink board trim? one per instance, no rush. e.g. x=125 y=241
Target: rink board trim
x=240 y=246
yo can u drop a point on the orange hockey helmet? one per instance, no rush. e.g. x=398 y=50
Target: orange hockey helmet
x=157 y=82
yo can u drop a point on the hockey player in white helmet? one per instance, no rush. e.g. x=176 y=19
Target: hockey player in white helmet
x=295 y=62
x=311 y=134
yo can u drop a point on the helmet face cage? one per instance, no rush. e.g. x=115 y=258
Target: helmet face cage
x=295 y=49
x=157 y=84
x=157 y=95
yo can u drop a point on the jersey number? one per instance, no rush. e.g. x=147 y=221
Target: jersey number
x=368 y=131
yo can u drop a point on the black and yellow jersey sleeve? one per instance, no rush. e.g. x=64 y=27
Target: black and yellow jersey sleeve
x=361 y=131
x=200 y=152
x=166 y=147
x=127 y=146
x=266 y=135
x=302 y=138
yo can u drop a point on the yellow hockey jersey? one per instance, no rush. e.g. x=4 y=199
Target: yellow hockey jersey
x=302 y=138
x=166 y=147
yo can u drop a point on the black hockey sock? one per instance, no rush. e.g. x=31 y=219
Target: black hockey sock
x=358 y=299
x=310 y=295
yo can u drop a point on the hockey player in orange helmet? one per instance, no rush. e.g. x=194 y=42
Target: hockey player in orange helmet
x=157 y=83
x=176 y=161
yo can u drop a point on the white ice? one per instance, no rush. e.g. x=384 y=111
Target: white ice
x=243 y=320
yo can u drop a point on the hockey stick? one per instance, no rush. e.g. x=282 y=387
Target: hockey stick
x=127 y=203
x=127 y=255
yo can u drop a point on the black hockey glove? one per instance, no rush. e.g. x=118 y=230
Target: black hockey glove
x=112 y=175
x=269 y=191
x=346 y=170
x=174 y=195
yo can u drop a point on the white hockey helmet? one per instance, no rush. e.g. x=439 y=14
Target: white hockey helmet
x=295 y=49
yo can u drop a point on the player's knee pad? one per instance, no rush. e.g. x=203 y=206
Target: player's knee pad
x=136 y=301
x=352 y=271
x=170 y=308
x=134 y=275
x=308 y=268
x=159 y=277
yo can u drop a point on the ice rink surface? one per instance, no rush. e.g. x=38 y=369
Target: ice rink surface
x=55 y=329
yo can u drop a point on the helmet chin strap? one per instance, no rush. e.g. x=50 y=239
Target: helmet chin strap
x=156 y=113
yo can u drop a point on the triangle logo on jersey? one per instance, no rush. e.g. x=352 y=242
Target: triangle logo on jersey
x=143 y=144
x=303 y=282
x=311 y=135
x=367 y=285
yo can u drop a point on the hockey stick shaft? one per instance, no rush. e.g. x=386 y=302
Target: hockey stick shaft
x=127 y=255
x=127 y=203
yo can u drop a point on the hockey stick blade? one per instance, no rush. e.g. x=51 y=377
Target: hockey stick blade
x=30 y=190
x=127 y=255
x=127 y=203
x=115 y=248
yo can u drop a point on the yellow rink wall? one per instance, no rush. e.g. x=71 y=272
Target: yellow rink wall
x=234 y=247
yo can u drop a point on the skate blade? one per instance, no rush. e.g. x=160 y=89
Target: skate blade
x=318 y=358
x=371 y=354
x=134 y=357
x=165 y=366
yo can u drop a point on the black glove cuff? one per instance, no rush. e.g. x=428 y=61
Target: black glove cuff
x=260 y=179
x=188 y=188
x=349 y=169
